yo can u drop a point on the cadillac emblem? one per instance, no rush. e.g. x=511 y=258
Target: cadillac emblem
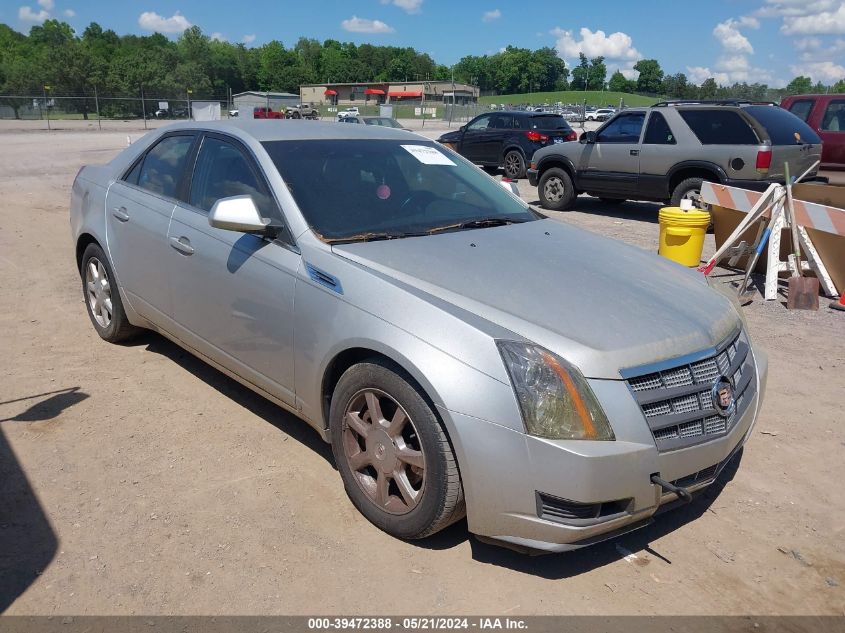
x=723 y=397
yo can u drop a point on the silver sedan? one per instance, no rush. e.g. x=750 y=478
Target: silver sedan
x=464 y=355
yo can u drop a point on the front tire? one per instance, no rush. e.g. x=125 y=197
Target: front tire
x=393 y=455
x=514 y=163
x=556 y=190
x=102 y=297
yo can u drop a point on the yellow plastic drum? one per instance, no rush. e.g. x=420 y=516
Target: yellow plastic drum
x=682 y=234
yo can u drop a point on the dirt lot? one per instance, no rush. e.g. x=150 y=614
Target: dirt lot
x=136 y=480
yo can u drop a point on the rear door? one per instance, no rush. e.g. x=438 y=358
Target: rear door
x=138 y=211
x=611 y=165
x=658 y=153
x=233 y=292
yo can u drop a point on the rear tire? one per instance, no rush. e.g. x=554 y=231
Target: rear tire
x=514 y=163
x=102 y=297
x=394 y=458
x=556 y=190
x=689 y=188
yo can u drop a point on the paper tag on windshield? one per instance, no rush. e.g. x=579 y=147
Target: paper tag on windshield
x=428 y=155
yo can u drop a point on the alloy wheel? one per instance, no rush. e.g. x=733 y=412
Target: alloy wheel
x=98 y=290
x=383 y=451
x=512 y=165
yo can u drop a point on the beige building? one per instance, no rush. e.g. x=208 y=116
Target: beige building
x=374 y=93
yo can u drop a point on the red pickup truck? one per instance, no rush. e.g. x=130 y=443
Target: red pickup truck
x=266 y=113
x=826 y=115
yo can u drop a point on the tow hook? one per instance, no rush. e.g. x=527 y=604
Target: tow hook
x=682 y=493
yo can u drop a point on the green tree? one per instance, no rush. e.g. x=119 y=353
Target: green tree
x=650 y=79
x=799 y=85
x=708 y=88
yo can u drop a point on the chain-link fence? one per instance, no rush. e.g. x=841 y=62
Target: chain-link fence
x=101 y=111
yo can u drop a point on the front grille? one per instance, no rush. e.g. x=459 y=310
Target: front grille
x=677 y=401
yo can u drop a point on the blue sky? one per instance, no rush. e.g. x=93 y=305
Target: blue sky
x=769 y=41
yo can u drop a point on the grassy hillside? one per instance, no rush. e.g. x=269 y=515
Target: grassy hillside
x=593 y=97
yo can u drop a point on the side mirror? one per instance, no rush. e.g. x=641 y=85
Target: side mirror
x=588 y=138
x=237 y=213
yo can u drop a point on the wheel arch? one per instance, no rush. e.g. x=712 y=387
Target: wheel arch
x=82 y=242
x=695 y=169
x=556 y=161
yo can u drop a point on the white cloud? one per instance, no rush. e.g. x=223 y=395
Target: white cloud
x=616 y=46
x=152 y=21
x=362 y=25
x=827 y=72
x=219 y=37
x=69 y=13
x=489 y=16
x=730 y=38
x=248 y=39
x=826 y=22
x=26 y=14
x=699 y=74
x=47 y=4
x=409 y=6
x=793 y=8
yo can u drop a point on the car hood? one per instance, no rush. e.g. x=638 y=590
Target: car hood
x=450 y=137
x=599 y=303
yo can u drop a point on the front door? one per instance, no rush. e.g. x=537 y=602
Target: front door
x=832 y=132
x=138 y=211
x=611 y=165
x=475 y=137
x=233 y=292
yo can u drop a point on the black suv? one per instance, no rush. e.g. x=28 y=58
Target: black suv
x=508 y=139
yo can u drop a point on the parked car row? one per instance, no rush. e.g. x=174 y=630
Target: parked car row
x=662 y=153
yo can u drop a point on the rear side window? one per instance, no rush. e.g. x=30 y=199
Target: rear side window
x=802 y=108
x=719 y=127
x=501 y=122
x=548 y=122
x=164 y=164
x=658 y=131
x=834 y=116
x=783 y=127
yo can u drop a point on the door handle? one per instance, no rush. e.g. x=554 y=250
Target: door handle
x=635 y=152
x=120 y=214
x=182 y=244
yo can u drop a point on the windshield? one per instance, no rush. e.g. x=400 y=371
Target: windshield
x=358 y=189
x=548 y=122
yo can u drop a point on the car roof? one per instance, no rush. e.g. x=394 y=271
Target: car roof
x=292 y=130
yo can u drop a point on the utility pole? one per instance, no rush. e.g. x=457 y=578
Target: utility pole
x=189 y=103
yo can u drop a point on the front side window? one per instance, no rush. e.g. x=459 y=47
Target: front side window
x=163 y=166
x=352 y=189
x=222 y=171
x=481 y=123
x=834 y=117
x=658 y=131
x=625 y=128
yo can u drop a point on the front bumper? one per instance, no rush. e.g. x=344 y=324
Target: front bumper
x=504 y=470
x=533 y=178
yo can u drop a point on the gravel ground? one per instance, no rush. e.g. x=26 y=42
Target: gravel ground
x=137 y=480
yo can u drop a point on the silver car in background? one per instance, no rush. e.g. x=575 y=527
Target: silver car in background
x=463 y=354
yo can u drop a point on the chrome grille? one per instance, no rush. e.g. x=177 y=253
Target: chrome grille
x=677 y=401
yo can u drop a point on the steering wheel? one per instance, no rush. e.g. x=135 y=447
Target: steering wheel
x=419 y=197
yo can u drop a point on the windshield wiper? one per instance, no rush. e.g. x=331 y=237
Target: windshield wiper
x=478 y=224
x=375 y=237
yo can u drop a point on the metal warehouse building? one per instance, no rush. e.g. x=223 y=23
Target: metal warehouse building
x=246 y=101
x=374 y=93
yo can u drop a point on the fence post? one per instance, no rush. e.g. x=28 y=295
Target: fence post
x=143 y=106
x=97 y=106
x=46 y=106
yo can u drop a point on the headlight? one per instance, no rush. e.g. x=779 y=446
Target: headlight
x=555 y=399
